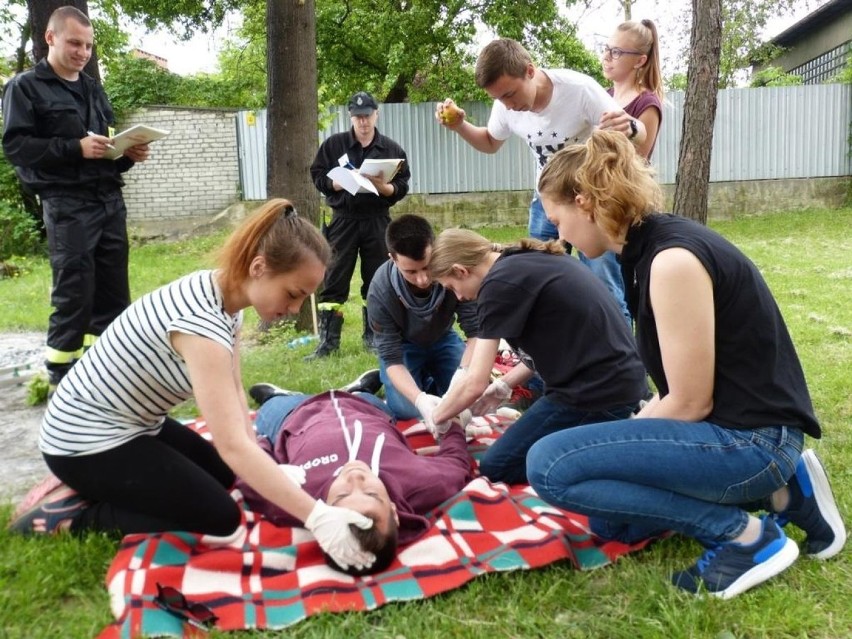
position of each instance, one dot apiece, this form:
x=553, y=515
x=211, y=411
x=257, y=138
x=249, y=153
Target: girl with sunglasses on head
x=724, y=435
x=107, y=434
x=631, y=60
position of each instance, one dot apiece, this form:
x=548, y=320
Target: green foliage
x=14, y=35
x=742, y=23
x=37, y=389
x=426, y=52
x=775, y=77
x=19, y=230
x=111, y=41
x=184, y=16
x=676, y=82
x=845, y=76
x=133, y=82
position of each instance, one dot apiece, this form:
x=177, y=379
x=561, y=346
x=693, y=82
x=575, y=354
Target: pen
x=109, y=146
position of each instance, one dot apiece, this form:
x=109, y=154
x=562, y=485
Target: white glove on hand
x=464, y=418
x=497, y=392
x=295, y=474
x=330, y=527
x=426, y=404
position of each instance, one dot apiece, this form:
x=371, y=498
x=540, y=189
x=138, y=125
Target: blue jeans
x=506, y=459
x=539, y=226
x=432, y=368
x=606, y=267
x=272, y=413
x=695, y=478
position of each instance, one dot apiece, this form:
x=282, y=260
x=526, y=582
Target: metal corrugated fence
x=760, y=134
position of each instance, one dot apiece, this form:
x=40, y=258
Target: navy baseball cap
x=362, y=103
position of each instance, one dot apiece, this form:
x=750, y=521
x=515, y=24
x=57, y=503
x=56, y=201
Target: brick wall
x=193, y=174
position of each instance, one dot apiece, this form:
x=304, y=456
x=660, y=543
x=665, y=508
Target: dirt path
x=21, y=465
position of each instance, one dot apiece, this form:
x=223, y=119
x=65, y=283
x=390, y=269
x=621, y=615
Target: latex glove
x=426, y=404
x=497, y=392
x=463, y=418
x=295, y=474
x=330, y=527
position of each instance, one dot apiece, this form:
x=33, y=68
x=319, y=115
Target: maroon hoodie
x=318, y=436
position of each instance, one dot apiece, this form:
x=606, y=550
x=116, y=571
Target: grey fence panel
x=759, y=134
x=251, y=137
x=770, y=133
x=440, y=161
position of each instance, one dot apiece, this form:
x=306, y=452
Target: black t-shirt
x=564, y=319
x=758, y=379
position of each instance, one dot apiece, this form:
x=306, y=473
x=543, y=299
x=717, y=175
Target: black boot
x=263, y=391
x=368, y=338
x=331, y=325
x=369, y=382
x=55, y=374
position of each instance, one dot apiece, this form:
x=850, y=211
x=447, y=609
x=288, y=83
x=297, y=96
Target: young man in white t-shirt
x=548, y=109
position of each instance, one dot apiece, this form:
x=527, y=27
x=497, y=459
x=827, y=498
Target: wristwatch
x=634, y=129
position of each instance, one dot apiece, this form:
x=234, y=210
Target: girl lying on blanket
x=346, y=450
x=106, y=432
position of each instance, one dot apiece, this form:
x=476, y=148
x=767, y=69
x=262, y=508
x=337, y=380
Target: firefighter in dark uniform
x=359, y=221
x=57, y=128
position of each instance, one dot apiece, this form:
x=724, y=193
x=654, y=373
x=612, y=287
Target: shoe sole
x=777, y=564
x=826, y=504
x=36, y=494
x=36, y=524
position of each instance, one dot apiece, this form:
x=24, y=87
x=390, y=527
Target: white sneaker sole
x=779, y=562
x=826, y=504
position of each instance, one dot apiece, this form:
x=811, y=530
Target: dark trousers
x=174, y=481
x=87, y=239
x=350, y=236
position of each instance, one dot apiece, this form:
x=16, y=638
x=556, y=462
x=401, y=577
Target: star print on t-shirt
x=543, y=150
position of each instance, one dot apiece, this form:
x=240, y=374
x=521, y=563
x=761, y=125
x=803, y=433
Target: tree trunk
x=39, y=14
x=21, y=61
x=293, y=125
x=696, y=144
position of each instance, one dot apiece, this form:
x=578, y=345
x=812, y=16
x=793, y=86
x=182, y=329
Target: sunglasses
x=195, y=614
x=616, y=52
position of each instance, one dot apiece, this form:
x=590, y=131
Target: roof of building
x=825, y=14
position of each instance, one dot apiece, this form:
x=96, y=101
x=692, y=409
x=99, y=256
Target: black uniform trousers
x=350, y=235
x=87, y=239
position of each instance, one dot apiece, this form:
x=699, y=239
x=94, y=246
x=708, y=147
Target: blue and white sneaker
x=52, y=514
x=731, y=568
x=813, y=509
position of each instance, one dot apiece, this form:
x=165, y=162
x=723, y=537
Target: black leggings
x=174, y=481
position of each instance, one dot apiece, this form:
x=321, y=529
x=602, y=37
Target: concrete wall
x=510, y=208
x=726, y=200
x=191, y=176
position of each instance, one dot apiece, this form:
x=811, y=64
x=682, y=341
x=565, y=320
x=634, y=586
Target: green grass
x=54, y=587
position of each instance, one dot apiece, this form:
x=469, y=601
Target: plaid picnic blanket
x=272, y=577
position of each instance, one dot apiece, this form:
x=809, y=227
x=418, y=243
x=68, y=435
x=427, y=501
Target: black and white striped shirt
x=124, y=385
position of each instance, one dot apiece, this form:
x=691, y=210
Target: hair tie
x=290, y=211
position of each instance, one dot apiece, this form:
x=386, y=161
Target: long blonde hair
x=643, y=35
x=277, y=233
x=606, y=169
x=469, y=249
